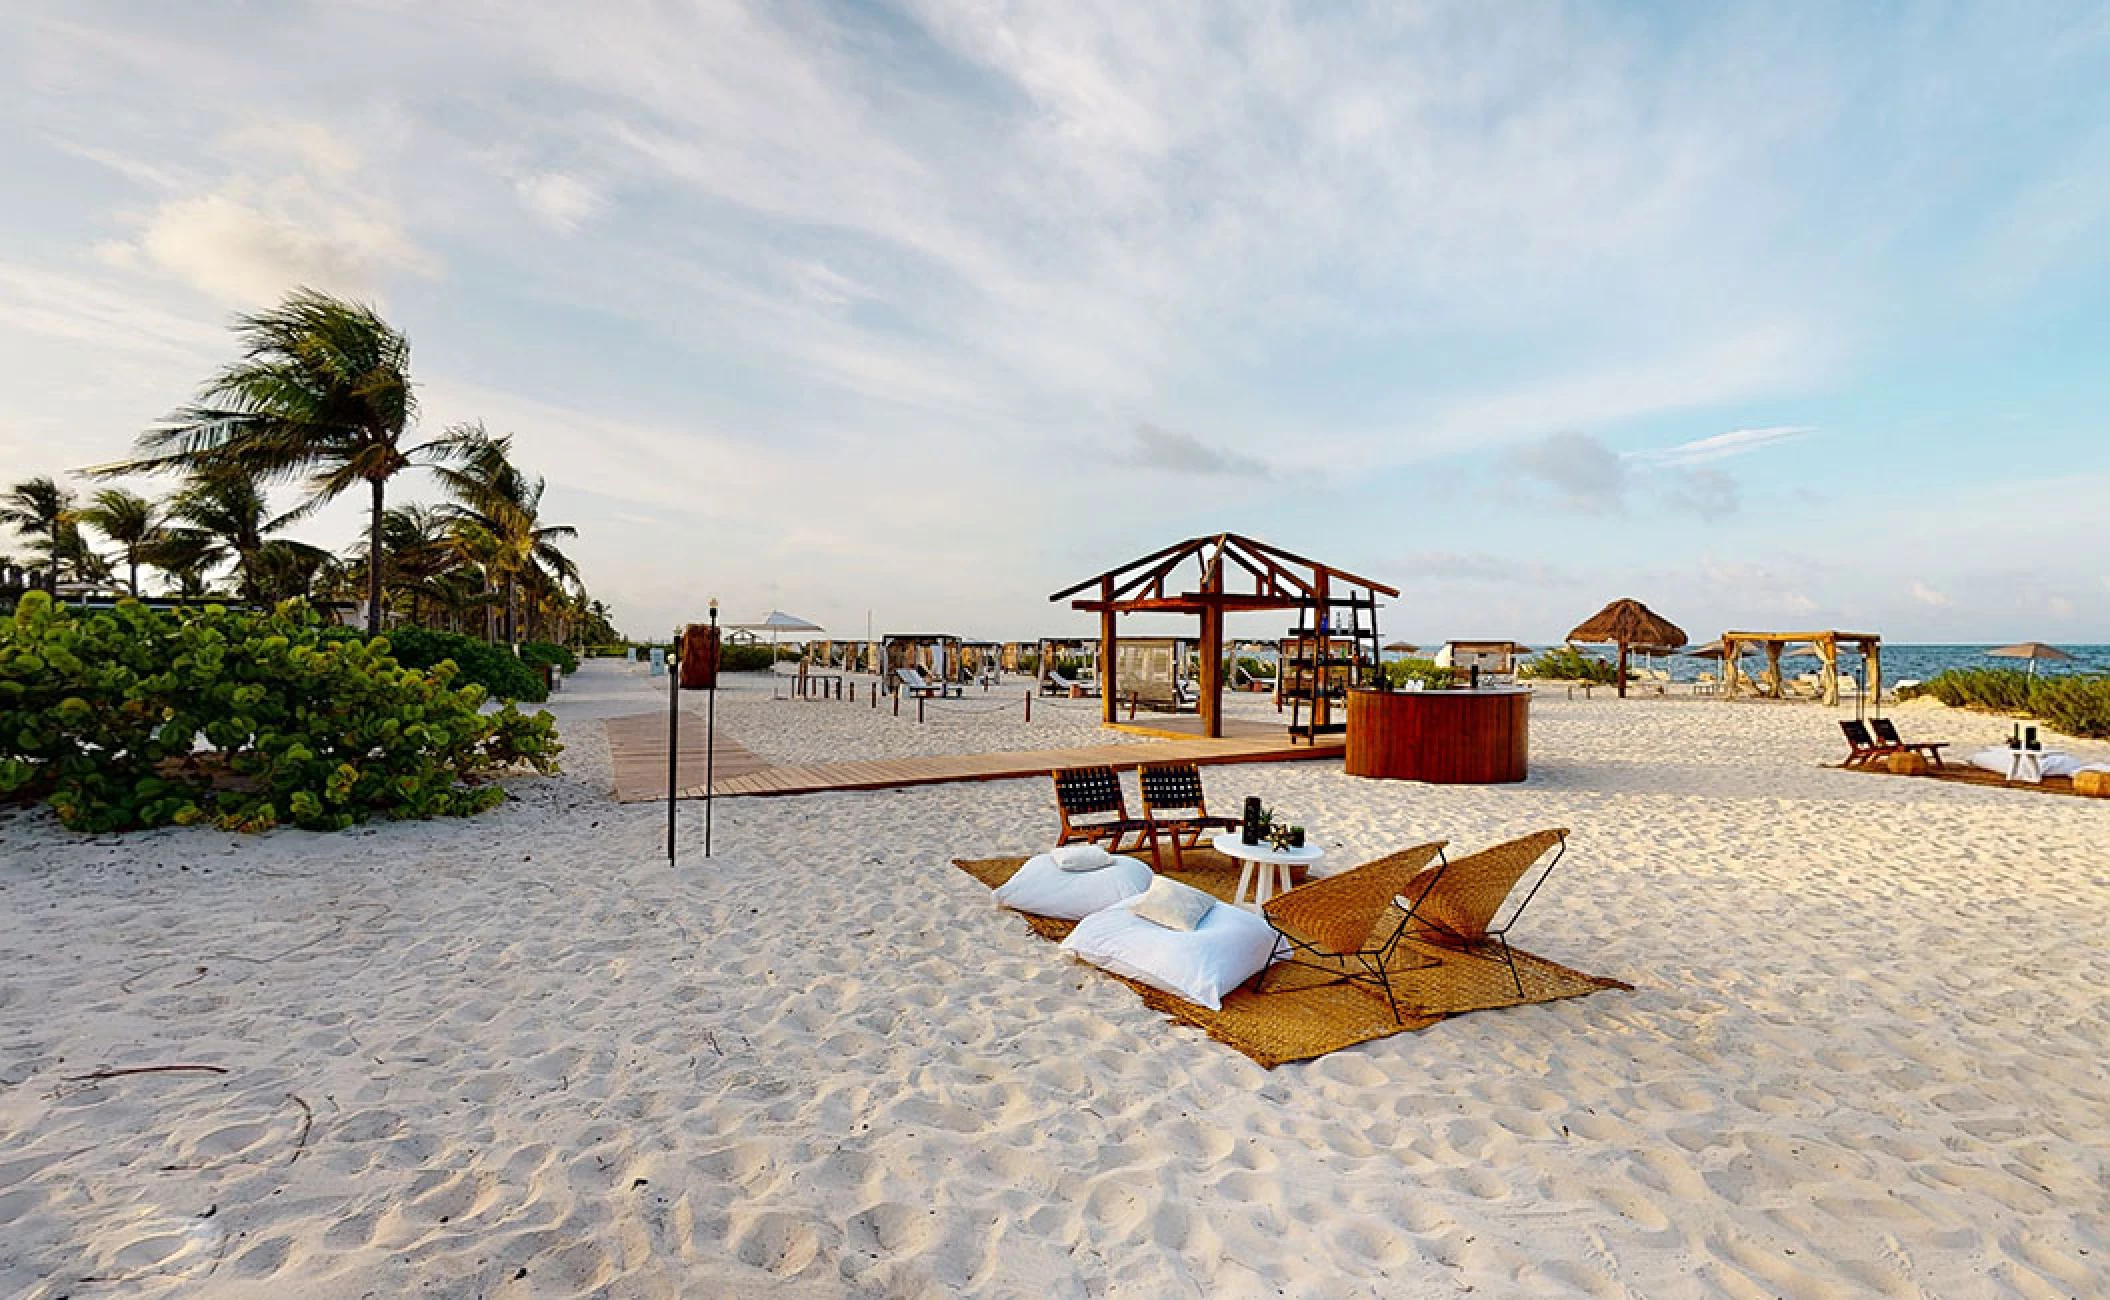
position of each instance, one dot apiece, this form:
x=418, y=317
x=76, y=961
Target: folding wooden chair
x=1351, y=924
x=1174, y=806
x=1887, y=734
x=1091, y=809
x=1866, y=748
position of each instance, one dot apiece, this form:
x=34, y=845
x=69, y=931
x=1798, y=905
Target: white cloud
x=1721, y=446
x=1927, y=595
x=565, y=202
x=297, y=210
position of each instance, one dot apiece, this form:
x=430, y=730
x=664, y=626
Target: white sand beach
x=520, y=1055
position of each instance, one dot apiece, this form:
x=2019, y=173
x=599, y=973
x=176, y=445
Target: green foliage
x=549, y=652
x=2077, y=704
x=1431, y=675
x=130, y=718
x=750, y=658
x=1567, y=664
x=493, y=667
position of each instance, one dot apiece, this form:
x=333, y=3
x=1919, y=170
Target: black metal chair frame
x=1500, y=934
x=1095, y=792
x=1177, y=788
x=1373, y=961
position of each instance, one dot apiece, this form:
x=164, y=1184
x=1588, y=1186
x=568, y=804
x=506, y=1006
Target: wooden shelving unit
x=1320, y=660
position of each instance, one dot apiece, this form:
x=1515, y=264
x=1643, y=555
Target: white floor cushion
x=1229, y=947
x=1043, y=888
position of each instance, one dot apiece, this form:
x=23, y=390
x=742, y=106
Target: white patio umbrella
x=776, y=625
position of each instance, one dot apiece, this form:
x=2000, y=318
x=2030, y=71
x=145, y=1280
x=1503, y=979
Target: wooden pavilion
x=1233, y=574
x=1825, y=645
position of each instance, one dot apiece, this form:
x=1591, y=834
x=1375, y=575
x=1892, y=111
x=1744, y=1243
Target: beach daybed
x=1057, y=684
x=920, y=687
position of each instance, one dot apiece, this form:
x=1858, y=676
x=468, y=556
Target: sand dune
x=520, y=1056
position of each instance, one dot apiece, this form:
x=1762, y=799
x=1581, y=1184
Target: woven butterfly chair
x=1174, y=807
x=1090, y=808
x=1462, y=910
x=1350, y=925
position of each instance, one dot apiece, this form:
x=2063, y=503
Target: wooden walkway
x=638, y=752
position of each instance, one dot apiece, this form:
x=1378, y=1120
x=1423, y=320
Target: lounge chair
x=1090, y=809
x=920, y=687
x=1865, y=748
x=1351, y=924
x=1887, y=734
x=1057, y=684
x=1174, y=806
x=1461, y=906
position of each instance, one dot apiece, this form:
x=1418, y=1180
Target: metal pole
x=673, y=737
x=710, y=733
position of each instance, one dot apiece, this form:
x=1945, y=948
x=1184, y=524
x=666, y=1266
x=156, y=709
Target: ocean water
x=1901, y=662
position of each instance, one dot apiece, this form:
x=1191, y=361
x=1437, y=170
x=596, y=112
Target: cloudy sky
x=1769, y=315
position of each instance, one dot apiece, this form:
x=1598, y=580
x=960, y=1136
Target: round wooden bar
x=1446, y=737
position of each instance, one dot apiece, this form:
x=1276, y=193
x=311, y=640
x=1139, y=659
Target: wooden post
x=1029, y=704
x=919, y=709
x=1109, y=701
x=1872, y=651
x=1773, y=683
x=1828, y=650
x=1212, y=683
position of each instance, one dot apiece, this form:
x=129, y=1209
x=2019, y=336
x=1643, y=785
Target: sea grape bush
x=1567, y=664
x=479, y=663
x=2077, y=704
x=131, y=718
x=549, y=652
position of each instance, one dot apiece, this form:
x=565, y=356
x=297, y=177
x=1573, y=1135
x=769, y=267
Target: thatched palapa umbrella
x=1626, y=624
x=2032, y=651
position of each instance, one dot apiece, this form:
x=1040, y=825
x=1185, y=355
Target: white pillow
x=1229, y=947
x=1172, y=904
x=1043, y=888
x=1081, y=857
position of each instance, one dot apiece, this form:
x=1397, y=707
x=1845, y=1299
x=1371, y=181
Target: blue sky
x=1769, y=315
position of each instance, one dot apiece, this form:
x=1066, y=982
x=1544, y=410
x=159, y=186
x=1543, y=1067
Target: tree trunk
x=511, y=586
x=132, y=558
x=373, y=564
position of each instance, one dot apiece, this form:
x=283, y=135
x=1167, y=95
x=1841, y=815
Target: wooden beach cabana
x=1230, y=574
x=1825, y=645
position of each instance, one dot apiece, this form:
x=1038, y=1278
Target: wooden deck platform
x=638, y=752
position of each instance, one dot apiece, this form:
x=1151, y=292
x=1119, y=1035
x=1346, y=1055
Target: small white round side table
x=1269, y=860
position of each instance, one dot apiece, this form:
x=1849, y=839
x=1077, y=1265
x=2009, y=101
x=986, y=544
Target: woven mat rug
x=1295, y=1013
x=1956, y=772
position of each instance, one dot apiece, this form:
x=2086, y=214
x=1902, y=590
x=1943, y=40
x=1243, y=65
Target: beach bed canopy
x=1231, y=574
x=1630, y=625
x=1824, y=645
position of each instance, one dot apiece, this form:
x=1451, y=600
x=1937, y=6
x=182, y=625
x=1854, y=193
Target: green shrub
x=1431, y=675
x=129, y=718
x=493, y=667
x=1567, y=664
x=2077, y=704
x=748, y=658
x=549, y=652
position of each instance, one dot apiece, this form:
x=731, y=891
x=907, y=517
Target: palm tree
x=129, y=520
x=322, y=391
x=498, y=513
x=40, y=509
x=220, y=517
